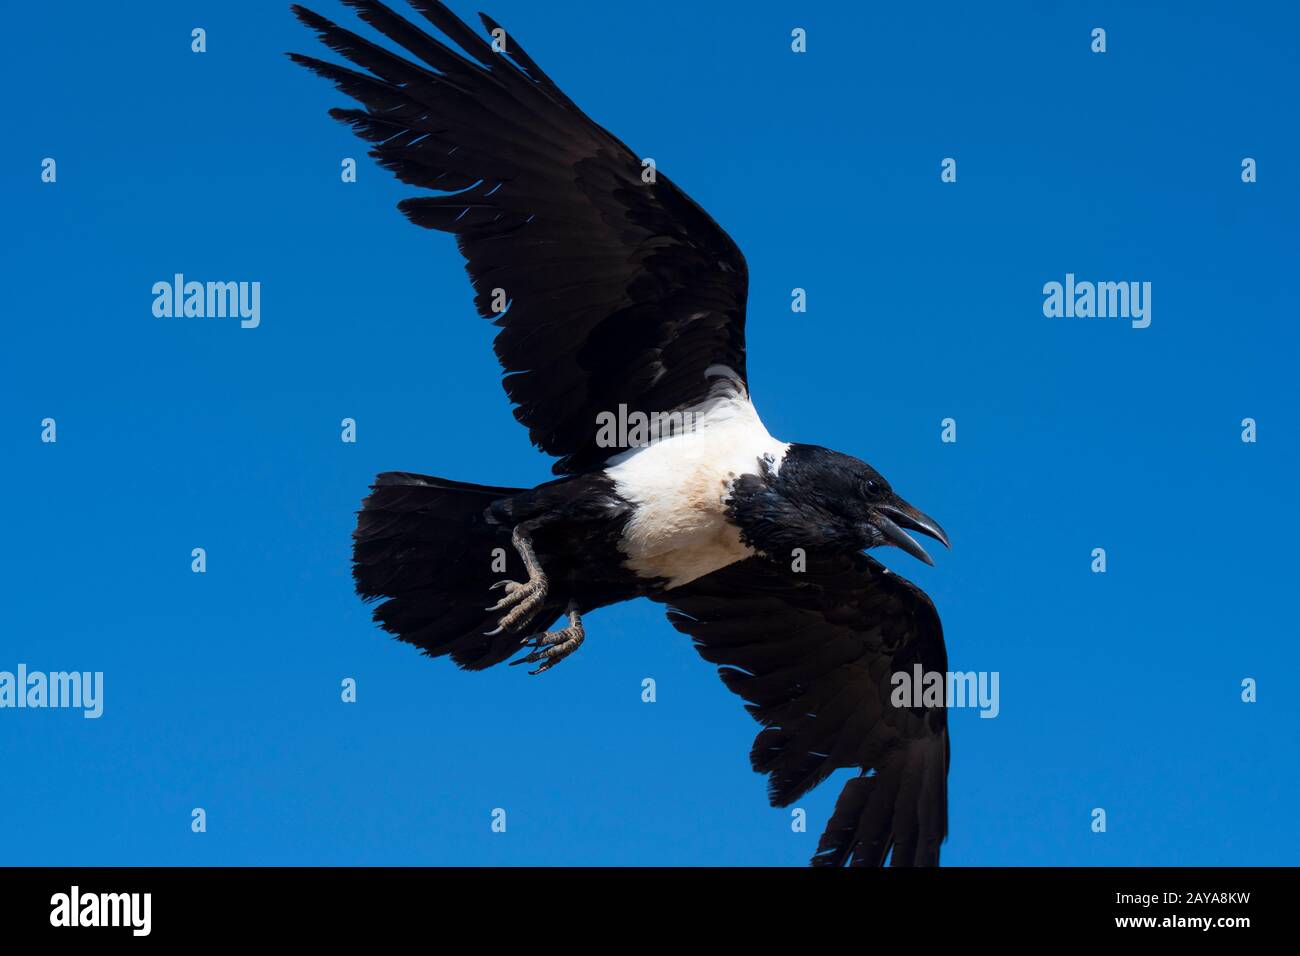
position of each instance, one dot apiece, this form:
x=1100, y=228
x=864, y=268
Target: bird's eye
x=871, y=487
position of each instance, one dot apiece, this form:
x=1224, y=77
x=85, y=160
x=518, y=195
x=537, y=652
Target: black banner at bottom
x=305, y=904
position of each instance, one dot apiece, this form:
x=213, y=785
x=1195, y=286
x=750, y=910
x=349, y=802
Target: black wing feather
x=620, y=292
x=813, y=654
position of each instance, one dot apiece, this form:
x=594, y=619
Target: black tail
x=428, y=545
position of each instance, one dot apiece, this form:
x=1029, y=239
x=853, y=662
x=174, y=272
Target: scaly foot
x=551, y=647
x=523, y=599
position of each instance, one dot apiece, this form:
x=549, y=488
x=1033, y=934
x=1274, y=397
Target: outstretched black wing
x=813, y=654
x=619, y=291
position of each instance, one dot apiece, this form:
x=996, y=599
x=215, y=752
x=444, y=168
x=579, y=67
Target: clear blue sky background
x=1118, y=691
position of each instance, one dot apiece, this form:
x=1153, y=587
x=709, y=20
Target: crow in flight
x=625, y=298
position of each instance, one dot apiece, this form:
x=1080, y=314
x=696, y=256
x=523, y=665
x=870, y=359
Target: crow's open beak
x=892, y=518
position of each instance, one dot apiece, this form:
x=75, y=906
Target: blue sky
x=1118, y=690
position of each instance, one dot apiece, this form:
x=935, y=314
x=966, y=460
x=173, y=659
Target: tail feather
x=427, y=546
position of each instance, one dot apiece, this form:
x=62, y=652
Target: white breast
x=680, y=486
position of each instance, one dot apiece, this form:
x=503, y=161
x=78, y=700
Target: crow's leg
x=551, y=647
x=522, y=600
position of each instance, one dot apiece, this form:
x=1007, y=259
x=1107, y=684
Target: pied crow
x=625, y=299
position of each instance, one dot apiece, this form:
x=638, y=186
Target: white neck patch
x=679, y=487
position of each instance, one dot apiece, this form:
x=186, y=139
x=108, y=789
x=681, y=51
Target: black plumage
x=623, y=293
x=619, y=291
x=812, y=654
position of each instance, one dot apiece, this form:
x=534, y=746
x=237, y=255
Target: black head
x=818, y=499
